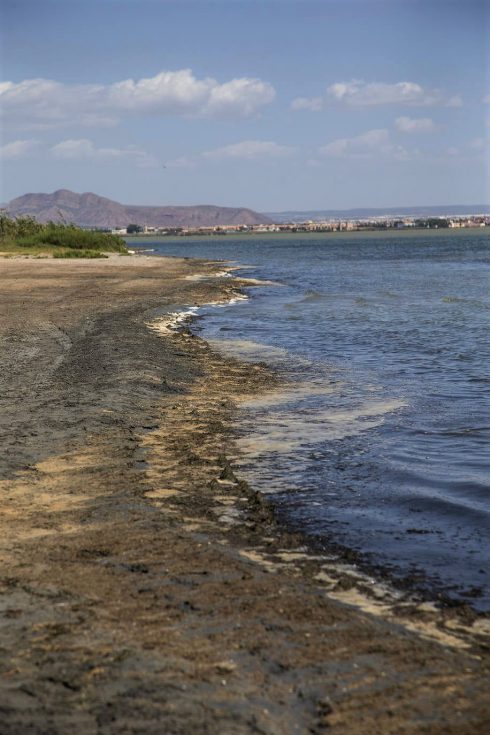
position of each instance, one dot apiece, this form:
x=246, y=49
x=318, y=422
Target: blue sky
x=272, y=104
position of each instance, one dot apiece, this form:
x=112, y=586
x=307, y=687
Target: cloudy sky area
x=270, y=104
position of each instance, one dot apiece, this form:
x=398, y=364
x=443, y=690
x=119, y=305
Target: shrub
x=82, y=253
x=25, y=232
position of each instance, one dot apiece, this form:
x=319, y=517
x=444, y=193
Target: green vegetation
x=24, y=235
x=85, y=253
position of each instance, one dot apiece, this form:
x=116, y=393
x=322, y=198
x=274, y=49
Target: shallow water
x=380, y=441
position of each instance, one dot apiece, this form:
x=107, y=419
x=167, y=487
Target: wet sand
x=144, y=588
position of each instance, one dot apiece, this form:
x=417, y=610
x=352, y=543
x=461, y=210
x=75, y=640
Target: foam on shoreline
x=207, y=276
x=173, y=321
x=229, y=274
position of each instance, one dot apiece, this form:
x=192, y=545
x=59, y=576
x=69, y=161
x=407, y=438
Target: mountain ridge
x=91, y=210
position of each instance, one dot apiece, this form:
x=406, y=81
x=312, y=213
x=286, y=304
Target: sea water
x=380, y=440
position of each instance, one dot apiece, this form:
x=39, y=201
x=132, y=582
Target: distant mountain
x=450, y=210
x=90, y=210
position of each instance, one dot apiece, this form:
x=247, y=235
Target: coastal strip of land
x=144, y=588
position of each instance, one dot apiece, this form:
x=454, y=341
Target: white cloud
x=17, y=149
x=74, y=149
x=415, y=125
x=239, y=98
x=43, y=103
x=486, y=99
x=84, y=149
x=47, y=103
x=78, y=149
x=245, y=150
x=357, y=93
x=372, y=143
x=249, y=149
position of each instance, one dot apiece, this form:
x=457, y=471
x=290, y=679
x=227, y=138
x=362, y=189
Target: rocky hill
x=90, y=210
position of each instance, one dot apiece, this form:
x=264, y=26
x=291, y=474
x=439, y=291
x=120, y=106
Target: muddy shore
x=144, y=587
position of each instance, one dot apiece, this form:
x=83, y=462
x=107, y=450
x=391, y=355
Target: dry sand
x=143, y=588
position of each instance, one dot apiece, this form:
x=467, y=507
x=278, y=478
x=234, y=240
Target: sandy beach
x=144, y=587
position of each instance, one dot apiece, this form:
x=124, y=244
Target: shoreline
x=354, y=568
x=145, y=584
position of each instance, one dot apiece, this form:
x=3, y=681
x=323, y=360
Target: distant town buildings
x=355, y=225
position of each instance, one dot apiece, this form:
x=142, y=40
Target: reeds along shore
x=23, y=235
x=148, y=589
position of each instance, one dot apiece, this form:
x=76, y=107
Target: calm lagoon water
x=381, y=440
